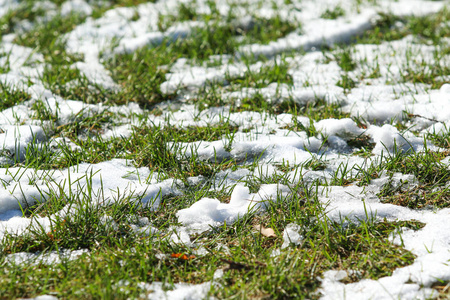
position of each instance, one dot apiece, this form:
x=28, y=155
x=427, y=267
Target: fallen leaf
x=182, y=256
x=268, y=232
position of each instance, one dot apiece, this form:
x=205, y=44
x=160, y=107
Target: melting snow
x=260, y=135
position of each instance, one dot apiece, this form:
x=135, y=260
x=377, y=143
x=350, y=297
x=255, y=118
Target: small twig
x=232, y=265
x=426, y=118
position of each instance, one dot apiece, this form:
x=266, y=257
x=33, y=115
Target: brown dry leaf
x=268, y=232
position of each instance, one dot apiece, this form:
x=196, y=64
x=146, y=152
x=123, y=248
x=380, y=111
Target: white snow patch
x=180, y=291
x=80, y=7
x=291, y=235
x=46, y=258
x=211, y=212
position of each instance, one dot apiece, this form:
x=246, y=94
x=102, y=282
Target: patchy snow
x=96, y=73
x=108, y=182
x=42, y=297
x=291, y=235
x=430, y=244
x=182, y=291
x=209, y=212
x=15, y=139
x=80, y=7
x=8, y=5
x=50, y=258
x=377, y=101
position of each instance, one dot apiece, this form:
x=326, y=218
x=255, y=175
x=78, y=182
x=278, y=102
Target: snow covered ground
x=376, y=91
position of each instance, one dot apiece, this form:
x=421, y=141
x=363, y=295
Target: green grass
x=426, y=166
x=431, y=173
x=440, y=139
x=333, y=13
x=154, y=147
x=45, y=37
x=320, y=109
x=139, y=75
x=343, y=57
x=24, y=11
x=430, y=28
x=11, y=97
x=276, y=73
x=427, y=30
x=428, y=73
x=168, y=151
x=215, y=38
x=327, y=245
x=221, y=34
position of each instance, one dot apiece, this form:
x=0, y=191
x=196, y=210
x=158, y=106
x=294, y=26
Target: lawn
x=225, y=149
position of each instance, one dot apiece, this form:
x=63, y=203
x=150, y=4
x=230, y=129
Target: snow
x=209, y=212
x=262, y=138
x=76, y=7
x=7, y=5
x=388, y=139
x=109, y=182
x=182, y=291
x=95, y=72
x=15, y=139
x=342, y=127
x=429, y=244
x=291, y=235
x=42, y=297
x=50, y=258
